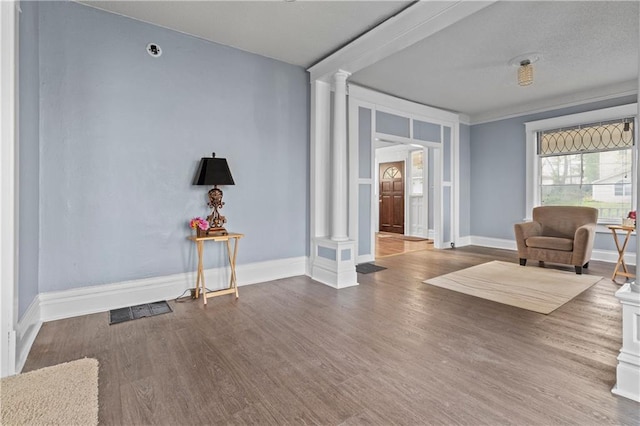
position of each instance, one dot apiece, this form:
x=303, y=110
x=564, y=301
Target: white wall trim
x=8, y=185
x=499, y=243
x=88, y=300
x=365, y=258
x=27, y=330
x=395, y=105
x=463, y=241
x=70, y=303
x=555, y=104
x=414, y=111
x=612, y=257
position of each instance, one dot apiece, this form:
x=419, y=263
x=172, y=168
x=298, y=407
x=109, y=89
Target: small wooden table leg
x=621, y=250
x=200, y=285
x=232, y=262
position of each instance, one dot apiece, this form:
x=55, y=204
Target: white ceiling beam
x=413, y=24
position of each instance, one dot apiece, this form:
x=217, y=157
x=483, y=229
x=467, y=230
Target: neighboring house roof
x=615, y=178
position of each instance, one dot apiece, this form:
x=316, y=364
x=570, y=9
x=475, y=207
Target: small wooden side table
x=233, y=285
x=621, y=249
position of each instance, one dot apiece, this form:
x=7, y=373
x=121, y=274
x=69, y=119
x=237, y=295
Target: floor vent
x=117, y=316
x=367, y=268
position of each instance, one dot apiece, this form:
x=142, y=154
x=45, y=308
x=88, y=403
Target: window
x=392, y=173
x=588, y=163
x=417, y=172
x=622, y=189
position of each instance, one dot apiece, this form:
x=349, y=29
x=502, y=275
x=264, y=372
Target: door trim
x=403, y=176
x=375, y=101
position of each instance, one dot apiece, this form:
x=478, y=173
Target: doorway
x=391, y=197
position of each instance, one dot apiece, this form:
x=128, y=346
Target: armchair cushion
x=551, y=243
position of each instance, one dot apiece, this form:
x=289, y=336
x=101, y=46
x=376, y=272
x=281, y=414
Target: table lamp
x=214, y=171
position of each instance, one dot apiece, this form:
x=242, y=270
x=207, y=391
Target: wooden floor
x=390, y=351
x=388, y=244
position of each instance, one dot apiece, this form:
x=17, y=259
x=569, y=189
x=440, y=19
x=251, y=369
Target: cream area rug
x=64, y=394
x=528, y=287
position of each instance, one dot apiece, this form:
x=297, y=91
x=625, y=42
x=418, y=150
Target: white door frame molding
x=8, y=179
x=376, y=101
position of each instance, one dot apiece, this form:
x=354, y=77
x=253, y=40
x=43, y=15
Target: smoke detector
x=154, y=50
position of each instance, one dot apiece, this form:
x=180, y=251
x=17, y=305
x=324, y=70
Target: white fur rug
x=63, y=394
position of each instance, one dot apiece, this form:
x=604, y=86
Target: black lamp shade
x=213, y=171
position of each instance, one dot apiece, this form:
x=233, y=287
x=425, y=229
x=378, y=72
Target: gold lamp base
x=216, y=231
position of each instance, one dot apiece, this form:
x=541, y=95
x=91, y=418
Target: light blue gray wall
x=465, y=181
x=392, y=124
x=446, y=154
x=364, y=220
x=121, y=134
x=424, y=131
x=498, y=172
x=365, y=161
x=29, y=157
x=431, y=188
x=365, y=146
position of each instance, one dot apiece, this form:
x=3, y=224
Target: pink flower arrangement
x=198, y=222
x=632, y=215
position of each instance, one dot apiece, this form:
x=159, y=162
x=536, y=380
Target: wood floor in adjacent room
x=390, y=351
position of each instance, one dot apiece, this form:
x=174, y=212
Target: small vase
x=201, y=232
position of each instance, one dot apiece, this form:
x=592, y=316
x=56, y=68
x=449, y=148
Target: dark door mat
x=117, y=316
x=367, y=268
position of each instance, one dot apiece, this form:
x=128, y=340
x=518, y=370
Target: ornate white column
x=339, y=219
x=333, y=254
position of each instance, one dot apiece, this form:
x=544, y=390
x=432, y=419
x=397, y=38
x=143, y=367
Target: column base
x=628, y=377
x=628, y=370
x=334, y=263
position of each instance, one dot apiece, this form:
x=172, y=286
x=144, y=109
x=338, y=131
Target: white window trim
x=532, y=127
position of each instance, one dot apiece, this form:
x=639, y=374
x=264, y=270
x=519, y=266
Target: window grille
x=595, y=137
x=590, y=165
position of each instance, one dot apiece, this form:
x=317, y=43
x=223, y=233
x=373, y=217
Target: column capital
x=341, y=75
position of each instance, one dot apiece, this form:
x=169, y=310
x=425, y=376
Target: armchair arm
x=583, y=243
x=524, y=231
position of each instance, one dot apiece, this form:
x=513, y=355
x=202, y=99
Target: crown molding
x=413, y=24
x=620, y=90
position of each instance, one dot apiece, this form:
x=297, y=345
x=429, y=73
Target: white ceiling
x=589, y=49
x=298, y=32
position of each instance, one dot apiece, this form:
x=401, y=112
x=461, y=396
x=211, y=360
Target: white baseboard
x=101, y=298
x=366, y=258
x=601, y=255
x=612, y=256
x=463, y=241
x=88, y=300
x=27, y=330
x=492, y=242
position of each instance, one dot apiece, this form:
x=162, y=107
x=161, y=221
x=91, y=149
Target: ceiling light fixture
x=525, y=73
x=525, y=67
